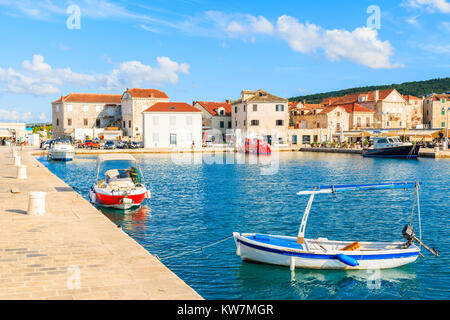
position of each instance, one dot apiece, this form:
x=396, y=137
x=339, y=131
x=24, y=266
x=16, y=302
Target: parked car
x=109, y=145
x=121, y=144
x=134, y=145
x=92, y=144
x=45, y=144
x=79, y=144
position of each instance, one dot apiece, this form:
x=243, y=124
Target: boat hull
x=408, y=152
x=61, y=155
x=263, y=253
x=118, y=199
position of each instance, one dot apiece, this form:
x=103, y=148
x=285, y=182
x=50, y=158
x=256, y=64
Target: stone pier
x=73, y=251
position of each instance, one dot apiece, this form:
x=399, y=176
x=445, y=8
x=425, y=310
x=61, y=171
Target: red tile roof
x=147, y=93
x=91, y=97
x=212, y=107
x=354, y=97
x=410, y=97
x=171, y=107
x=354, y=107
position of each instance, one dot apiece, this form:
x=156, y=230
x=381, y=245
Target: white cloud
x=38, y=78
x=430, y=5
x=14, y=115
x=361, y=45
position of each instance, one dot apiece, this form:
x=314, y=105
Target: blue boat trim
x=330, y=256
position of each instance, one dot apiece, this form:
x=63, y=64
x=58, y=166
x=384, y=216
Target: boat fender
x=347, y=260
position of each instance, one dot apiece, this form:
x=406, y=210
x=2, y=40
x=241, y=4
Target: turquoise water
x=198, y=203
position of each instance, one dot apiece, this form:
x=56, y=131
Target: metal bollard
x=22, y=172
x=36, y=203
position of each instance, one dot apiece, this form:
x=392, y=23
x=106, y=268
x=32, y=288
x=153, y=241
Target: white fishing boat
x=61, y=150
x=321, y=253
x=122, y=187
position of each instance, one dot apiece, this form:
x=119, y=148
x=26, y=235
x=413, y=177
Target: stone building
x=134, y=102
x=435, y=109
x=390, y=107
x=215, y=115
x=260, y=114
x=414, y=108
x=85, y=111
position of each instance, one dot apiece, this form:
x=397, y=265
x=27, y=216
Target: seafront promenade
x=72, y=251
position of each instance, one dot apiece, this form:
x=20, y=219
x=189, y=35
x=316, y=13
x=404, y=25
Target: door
x=173, y=139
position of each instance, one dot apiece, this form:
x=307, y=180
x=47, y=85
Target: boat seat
x=111, y=174
x=351, y=247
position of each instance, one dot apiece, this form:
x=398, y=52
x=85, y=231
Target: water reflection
x=261, y=279
x=131, y=219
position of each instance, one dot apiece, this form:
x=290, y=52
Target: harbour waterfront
x=196, y=204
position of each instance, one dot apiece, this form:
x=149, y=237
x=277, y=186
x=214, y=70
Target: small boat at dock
x=61, y=151
x=391, y=147
x=322, y=253
x=121, y=188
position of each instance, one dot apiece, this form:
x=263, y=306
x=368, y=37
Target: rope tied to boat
x=194, y=250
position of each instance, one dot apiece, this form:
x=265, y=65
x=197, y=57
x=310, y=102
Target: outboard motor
x=409, y=235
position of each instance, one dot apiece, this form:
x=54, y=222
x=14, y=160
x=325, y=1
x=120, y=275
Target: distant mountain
x=415, y=88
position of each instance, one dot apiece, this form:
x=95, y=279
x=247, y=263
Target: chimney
x=377, y=95
x=228, y=101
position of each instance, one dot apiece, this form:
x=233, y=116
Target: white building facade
x=172, y=125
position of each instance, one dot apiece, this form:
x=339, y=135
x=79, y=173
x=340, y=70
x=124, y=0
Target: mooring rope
x=197, y=249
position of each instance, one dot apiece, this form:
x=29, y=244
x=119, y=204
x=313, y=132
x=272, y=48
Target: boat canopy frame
x=116, y=157
x=356, y=187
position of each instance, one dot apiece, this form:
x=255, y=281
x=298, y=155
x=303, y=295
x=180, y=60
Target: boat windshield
x=122, y=166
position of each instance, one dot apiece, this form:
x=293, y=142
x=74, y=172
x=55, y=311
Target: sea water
x=196, y=203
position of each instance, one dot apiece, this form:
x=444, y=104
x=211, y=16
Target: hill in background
x=415, y=88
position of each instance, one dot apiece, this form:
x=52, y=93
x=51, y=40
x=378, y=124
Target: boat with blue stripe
x=322, y=253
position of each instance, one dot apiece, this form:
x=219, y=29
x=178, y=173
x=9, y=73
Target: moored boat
x=321, y=253
x=61, y=150
x=391, y=147
x=122, y=188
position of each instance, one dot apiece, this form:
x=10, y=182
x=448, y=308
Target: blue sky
x=211, y=50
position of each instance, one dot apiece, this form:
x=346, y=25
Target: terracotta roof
x=91, y=97
x=354, y=97
x=147, y=93
x=410, y=97
x=354, y=107
x=171, y=107
x=212, y=107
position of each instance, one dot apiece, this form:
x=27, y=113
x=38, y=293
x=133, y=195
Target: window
x=85, y=108
x=368, y=122
x=69, y=107
x=222, y=124
x=155, y=137
x=443, y=100
x=229, y=124
x=255, y=122
x=173, y=120
x=245, y=123
x=338, y=127
x=279, y=122
x=443, y=111
x=235, y=123
x=173, y=139
x=57, y=108
x=189, y=120
x=318, y=125
x=294, y=139
x=338, y=114
x=235, y=109
x=244, y=107
x=97, y=108
x=69, y=122
x=155, y=120
x=97, y=123
x=443, y=124
x=85, y=122
x=129, y=123
x=388, y=124
x=124, y=124
x=57, y=122
x=255, y=107
x=222, y=112
x=279, y=107
x=306, y=139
